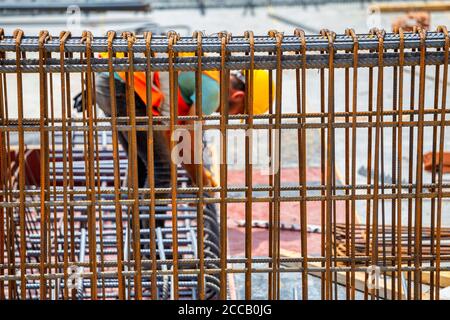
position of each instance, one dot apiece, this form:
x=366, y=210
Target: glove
x=208, y=179
x=78, y=102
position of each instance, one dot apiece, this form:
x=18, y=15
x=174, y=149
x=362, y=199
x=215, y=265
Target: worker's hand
x=208, y=179
x=78, y=102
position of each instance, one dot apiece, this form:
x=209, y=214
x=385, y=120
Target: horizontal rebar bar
x=112, y=274
x=235, y=44
x=292, y=61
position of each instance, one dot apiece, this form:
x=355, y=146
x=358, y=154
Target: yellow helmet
x=261, y=89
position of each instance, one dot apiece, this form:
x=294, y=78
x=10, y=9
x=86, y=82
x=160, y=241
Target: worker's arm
x=191, y=168
x=210, y=101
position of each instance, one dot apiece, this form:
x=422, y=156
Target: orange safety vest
x=157, y=95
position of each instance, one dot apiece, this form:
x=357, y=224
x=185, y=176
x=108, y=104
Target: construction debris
x=412, y=20
x=283, y=226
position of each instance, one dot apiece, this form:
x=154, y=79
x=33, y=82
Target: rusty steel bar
x=173, y=174
x=399, y=169
x=3, y=181
x=249, y=168
x=224, y=38
x=77, y=221
x=353, y=157
x=151, y=166
x=235, y=44
x=199, y=178
x=117, y=195
x=301, y=109
x=441, y=152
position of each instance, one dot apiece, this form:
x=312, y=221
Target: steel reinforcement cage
x=74, y=222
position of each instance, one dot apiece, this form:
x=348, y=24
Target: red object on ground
x=428, y=162
x=290, y=214
x=412, y=19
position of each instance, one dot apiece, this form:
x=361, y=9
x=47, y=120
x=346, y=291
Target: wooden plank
x=444, y=278
x=434, y=6
x=341, y=278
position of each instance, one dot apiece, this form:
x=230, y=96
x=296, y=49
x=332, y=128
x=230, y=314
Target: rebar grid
x=75, y=223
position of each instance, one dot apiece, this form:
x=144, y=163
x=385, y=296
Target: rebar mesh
x=76, y=222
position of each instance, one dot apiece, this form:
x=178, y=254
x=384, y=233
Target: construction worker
x=186, y=106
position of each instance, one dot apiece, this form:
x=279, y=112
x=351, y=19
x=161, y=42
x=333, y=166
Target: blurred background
x=210, y=16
